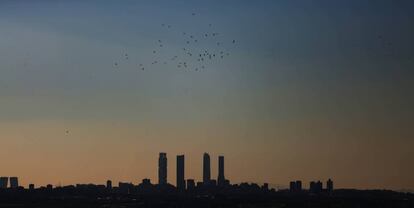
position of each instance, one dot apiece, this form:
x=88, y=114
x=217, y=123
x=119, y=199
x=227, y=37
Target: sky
x=310, y=90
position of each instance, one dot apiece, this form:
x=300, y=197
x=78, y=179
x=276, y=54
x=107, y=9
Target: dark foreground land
x=85, y=198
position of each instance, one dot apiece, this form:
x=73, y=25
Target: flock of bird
x=197, y=51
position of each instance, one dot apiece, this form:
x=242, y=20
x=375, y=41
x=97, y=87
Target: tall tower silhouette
x=206, y=169
x=14, y=182
x=180, y=172
x=162, y=169
x=4, y=181
x=329, y=186
x=221, y=180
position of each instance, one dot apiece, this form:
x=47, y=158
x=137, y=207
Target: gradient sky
x=311, y=90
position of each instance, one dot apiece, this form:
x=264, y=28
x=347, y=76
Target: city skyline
x=286, y=90
x=182, y=183
x=12, y=182
x=171, y=177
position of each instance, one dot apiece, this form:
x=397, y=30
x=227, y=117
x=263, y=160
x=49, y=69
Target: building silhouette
x=146, y=181
x=298, y=185
x=292, y=186
x=31, y=187
x=190, y=184
x=221, y=180
x=319, y=186
x=329, y=186
x=49, y=187
x=206, y=169
x=125, y=188
x=315, y=187
x=199, y=184
x=265, y=187
x=4, y=182
x=312, y=186
x=180, y=172
x=109, y=184
x=14, y=182
x=162, y=169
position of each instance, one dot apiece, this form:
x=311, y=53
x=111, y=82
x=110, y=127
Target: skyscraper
x=221, y=179
x=329, y=185
x=292, y=186
x=180, y=172
x=4, y=181
x=206, y=169
x=14, y=182
x=298, y=185
x=162, y=169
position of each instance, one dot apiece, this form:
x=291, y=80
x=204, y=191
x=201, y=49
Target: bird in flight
x=206, y=46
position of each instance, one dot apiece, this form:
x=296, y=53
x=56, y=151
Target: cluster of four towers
x=181, y=182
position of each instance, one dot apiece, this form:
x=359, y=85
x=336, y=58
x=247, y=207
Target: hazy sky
x=310, y=90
